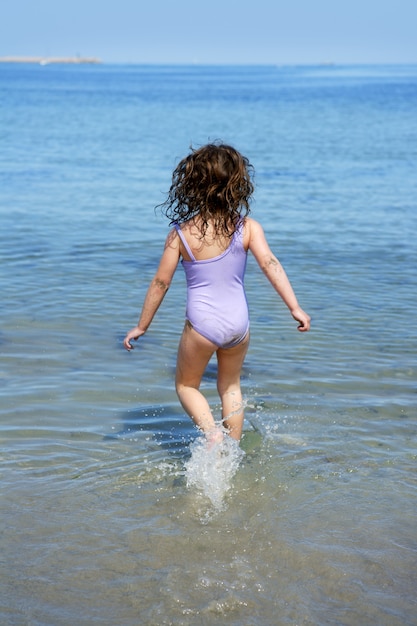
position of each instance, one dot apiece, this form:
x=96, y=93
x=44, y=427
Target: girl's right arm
x=157, y=289
x=275, y=273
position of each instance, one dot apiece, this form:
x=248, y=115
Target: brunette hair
x=214, y=183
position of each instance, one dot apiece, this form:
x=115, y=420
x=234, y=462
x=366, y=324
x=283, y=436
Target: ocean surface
x=112, y=510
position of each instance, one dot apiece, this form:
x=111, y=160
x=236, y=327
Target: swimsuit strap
x=184, y=241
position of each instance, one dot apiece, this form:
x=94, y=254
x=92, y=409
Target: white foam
x=211, y=468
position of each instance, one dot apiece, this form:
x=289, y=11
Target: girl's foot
x=214, y=437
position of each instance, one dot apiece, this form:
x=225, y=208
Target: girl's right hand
x=134, y=335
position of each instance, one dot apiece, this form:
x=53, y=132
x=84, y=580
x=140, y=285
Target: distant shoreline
x=50, y=60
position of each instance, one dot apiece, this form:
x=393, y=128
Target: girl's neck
x=216, y=226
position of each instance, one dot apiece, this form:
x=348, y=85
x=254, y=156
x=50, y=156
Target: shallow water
x=102, y=519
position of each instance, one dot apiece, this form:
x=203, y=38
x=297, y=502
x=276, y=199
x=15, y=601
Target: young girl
x=208, y=205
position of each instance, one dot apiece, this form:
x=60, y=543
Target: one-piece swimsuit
x=216, y=301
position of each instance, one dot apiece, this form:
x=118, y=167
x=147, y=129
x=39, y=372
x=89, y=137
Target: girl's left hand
x=304, y=320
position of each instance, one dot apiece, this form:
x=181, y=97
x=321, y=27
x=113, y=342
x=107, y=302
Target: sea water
x=114, y=511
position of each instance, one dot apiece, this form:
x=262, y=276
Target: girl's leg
x=194, y=353
x=230, y=361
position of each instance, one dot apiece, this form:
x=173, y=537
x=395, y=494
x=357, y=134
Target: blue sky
x=215, y=31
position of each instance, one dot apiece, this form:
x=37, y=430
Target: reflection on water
x=164, y=425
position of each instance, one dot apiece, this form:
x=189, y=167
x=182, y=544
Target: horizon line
x=86, y=60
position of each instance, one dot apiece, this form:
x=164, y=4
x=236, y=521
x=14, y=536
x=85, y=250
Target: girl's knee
x=180, y=388
x=228, y=389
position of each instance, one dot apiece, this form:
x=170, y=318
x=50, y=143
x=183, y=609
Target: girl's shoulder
x=251, y=224
x=251, y=228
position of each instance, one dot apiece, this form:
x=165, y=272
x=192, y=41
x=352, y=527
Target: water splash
x=211, y=468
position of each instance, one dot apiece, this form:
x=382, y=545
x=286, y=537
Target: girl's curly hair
x=214, y=183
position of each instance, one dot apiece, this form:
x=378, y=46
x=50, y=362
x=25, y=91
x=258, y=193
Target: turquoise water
x=102, y=522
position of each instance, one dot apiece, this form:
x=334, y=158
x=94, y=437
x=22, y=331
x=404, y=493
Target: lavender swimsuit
x=216, y=300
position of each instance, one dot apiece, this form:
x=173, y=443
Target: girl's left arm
x=157, y=289
x=275, y=273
